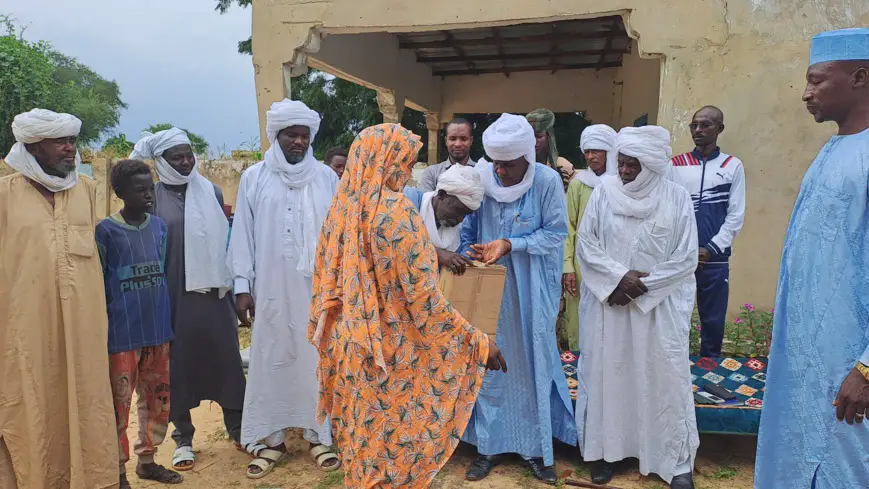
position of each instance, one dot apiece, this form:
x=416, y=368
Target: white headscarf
x=602, y=138
x=281, y=115
x=464, y=183
x=650, y=145
x=33, y=127
x=205, y=224
x=508, y=138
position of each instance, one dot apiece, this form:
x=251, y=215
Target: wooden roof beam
x=548, y=67
x=500, y=57
x=489, y=41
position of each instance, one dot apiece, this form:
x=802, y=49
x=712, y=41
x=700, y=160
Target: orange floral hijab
x=380, y=163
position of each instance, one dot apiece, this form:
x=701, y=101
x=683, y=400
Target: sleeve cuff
x=713, y=249
x=241, y=286
x=518, y=244
x=569, y=267
x=865, y=358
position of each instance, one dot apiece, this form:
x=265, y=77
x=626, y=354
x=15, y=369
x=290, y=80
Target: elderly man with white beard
x=637, y=251
x=282, y=202
x=459, y=193
x=57, y=421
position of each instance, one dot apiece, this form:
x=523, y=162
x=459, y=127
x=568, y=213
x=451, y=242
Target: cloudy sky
x=175, y=60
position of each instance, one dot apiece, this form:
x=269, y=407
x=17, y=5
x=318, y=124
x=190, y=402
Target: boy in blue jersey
x=132, y=246
x=716, y=181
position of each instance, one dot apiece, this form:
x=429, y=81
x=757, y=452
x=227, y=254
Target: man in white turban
x=205, y=361
x=459, y=192
x=522, y=225
x=57, y=421
x=280, y=208
x=598, y=145
x=637, y=251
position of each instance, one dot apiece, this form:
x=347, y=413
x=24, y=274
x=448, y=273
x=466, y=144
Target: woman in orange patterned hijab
x=399, y=368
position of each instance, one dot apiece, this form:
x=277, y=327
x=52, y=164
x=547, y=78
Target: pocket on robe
x=81, y=241
x=652, y=242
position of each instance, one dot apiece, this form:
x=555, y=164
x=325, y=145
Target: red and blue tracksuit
x=717, y=187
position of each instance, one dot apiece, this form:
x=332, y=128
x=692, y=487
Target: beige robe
x=57, y=420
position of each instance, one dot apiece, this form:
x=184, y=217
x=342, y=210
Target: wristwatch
x=863, y=369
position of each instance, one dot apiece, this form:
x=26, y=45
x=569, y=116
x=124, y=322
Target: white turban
x=38, y=124
x=508, y=138
x=287, y=113
x=33, y=127
x=205, y=224
x=599, y=137
x=651, y=146
x=463, y=182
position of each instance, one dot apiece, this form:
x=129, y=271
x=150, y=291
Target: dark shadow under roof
x=567, y=45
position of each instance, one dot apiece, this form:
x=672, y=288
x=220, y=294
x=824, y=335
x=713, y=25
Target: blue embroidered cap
x=840, y=45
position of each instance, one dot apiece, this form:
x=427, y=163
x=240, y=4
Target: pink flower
x=772, y=311
x=749, y=307
x=697, y=327
x=738, y=320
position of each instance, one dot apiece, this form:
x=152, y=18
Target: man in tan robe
x=57, y=423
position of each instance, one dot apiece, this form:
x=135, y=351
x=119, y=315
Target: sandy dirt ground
x=724, y=462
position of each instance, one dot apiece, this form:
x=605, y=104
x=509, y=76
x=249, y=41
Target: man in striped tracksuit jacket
x=716, y=182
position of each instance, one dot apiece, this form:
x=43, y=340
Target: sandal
x=322, y=455
x=183, y=454
x=158, y=473
x=265, y=459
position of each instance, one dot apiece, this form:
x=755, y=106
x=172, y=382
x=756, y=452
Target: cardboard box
x=476, y=294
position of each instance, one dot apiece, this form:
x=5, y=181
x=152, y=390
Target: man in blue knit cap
x=812, y=433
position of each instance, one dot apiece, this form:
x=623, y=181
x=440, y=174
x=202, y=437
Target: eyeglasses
x=703, y=125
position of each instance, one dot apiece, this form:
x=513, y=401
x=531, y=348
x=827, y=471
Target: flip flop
x=265, y=460
x=183, y=454
x=322, y=454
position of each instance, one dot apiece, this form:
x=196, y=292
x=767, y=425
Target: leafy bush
x=748, y=335
x=25, y=78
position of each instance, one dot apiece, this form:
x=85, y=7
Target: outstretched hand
x=454, y=262
x=489, y=253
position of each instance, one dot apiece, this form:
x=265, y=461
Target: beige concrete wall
x=564, y=91
x=636, y=89
x=224, y=174
x=348, y=56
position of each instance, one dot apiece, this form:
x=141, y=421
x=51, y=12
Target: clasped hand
x=629, y=288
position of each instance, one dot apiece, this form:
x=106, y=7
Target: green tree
x=118, y=146
x=246, y=46
x=25, y=78
x=200, y=145
x=80, y=91
x=35, y=75
x=346, y=108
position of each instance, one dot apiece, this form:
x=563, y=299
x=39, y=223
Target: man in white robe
x=280, y=208
x=637, y=251
x=459, y=192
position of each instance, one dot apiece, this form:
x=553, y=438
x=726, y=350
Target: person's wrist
x=863, y=369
